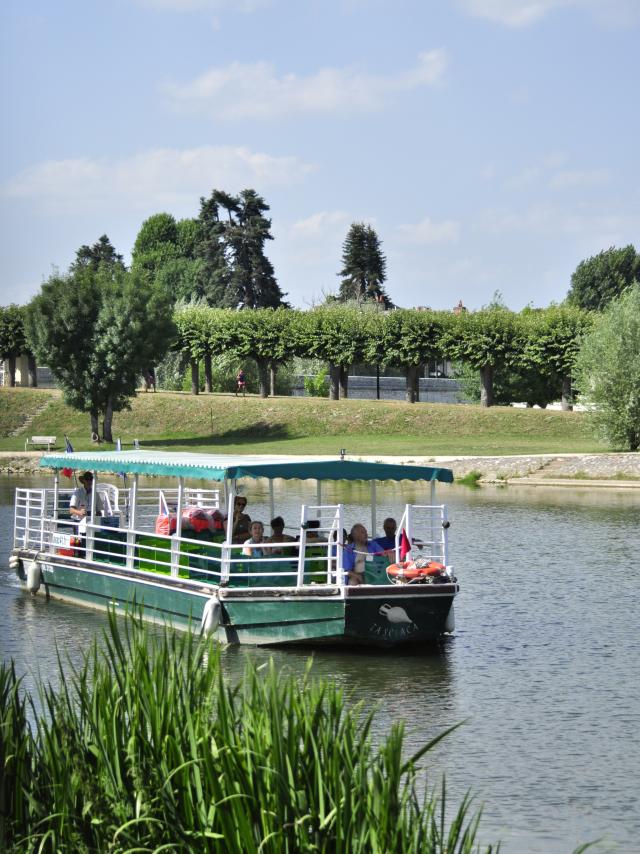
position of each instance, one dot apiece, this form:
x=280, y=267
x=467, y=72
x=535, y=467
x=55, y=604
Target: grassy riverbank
x=149, y=748
x=288, y=425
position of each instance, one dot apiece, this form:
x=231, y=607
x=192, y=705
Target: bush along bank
x=147, y=747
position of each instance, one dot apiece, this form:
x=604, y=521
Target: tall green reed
x=146, y=747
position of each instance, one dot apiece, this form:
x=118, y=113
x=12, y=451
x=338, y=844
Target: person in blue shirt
x=388, y=542
x=357, y=554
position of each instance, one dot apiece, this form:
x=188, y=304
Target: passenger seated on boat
x=241, y=521
x=357, y=553
x=255, y=545
x=278, y=536
x=388, y=541
x=312, y=531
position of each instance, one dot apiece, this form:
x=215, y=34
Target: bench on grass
x=49, y=441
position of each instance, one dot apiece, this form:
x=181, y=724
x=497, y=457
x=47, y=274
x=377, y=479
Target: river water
x=544, y=666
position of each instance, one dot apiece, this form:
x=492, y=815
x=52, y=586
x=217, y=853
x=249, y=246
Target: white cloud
x=569, y=179
x=254, y=90
x=319, y=224
x=585, y=224
x=430, y=233
x=159, y=177
x=523, y=13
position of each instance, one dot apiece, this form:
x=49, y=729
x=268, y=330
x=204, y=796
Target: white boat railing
x=432, y=519
x=152, y=502
x=43, y=525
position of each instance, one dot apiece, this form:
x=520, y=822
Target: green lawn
x=288, y=425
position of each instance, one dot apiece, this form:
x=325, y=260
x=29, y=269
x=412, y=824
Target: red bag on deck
x=195, y=519
x=166, y=524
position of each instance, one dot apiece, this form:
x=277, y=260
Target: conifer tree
x=364, y=268
x=234, y=233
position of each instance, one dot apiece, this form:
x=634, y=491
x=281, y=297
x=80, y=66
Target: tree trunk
x=263, y=378
x=272, y=380
x=95, y=427
x=33, y=371
x=208, y=379
x=12, y=371
x=107, y=435
x=334, y=381
x=416, y=384
x=195, y=377
x=344, y=381
x=486, y=385
x=411, y=373
x=567, y=394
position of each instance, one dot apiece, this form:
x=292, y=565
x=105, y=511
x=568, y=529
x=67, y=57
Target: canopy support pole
x=90, y=533
x=230, y=490
x=175, y=540
x=374, y=509
x=434, y=556
x=131, y=537
x=56, y=496
x=318, y=498
x=272, y=503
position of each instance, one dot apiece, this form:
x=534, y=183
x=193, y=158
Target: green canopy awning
x=221, y=467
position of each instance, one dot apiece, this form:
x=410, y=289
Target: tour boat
x=169, y=550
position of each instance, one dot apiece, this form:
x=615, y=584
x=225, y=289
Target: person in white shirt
x=80, y=504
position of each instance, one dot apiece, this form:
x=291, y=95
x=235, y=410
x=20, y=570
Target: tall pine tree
x=364, y=268
x=234, y=231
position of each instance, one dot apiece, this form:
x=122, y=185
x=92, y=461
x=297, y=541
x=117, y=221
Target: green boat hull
x=369, y=615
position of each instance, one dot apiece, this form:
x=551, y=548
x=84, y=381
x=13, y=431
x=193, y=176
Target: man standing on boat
x=80, y=505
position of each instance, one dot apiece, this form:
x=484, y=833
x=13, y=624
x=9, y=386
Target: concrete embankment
x=620, y=471
x=598, y=470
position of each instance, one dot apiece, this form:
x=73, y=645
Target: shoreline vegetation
x=502, y=444
x=294, y=425
x=146, y=746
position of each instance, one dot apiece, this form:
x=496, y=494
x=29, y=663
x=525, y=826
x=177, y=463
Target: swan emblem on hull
x=394, y=614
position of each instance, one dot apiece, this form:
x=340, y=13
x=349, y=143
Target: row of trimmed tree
x=544, y=341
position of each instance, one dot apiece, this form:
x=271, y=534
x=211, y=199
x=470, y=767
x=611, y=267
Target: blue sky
x=493, y=144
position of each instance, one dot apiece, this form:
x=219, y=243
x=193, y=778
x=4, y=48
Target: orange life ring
x=408, y=571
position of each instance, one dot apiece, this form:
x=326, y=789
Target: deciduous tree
x=12, y=338
x=603, y=277
x=608, y=370
x=98, y=328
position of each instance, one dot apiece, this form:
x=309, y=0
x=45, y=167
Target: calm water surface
x=544, y=666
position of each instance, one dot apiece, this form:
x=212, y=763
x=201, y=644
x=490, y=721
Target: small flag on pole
x=405, y=545
x=68, y=449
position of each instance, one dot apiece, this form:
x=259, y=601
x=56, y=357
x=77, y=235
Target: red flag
x=405, y=545
x=67, y=472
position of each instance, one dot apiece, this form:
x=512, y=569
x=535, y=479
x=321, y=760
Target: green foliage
x=491, y=336
x=98, y=329
x=147, y=747
x=603, y=277
x=608, y=370
x=317, y=385
x=331, y=333
x=264, y=335
x=364, y=266
x=12, y=336
x=102, y=253
x=510, y=385
x=235, y=269
x=471, y=478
